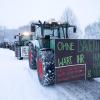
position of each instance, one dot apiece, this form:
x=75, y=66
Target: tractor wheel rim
x=40, y=68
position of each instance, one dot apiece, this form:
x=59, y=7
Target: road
x=18, y=82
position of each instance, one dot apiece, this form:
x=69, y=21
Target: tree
x=93, y=30
x=69, y=17
x=2, y=34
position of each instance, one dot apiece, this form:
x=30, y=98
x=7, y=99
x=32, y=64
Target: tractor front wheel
x=45, y=67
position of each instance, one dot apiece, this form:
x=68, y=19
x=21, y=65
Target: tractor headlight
x=26, y=33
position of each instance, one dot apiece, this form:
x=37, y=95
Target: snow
x=18, y=82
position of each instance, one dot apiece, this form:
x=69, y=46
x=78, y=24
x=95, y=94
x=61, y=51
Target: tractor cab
x=51, y=29
x=48, y=31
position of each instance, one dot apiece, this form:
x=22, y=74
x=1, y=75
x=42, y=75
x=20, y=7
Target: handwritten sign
x=75, y=52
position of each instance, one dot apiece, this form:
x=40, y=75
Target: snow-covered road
x=18, y=82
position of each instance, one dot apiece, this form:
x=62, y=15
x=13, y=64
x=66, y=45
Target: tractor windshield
x=51, y=32
x=55, y=32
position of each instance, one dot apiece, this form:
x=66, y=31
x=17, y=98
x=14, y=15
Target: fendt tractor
x=58, y=58
x=22, y=45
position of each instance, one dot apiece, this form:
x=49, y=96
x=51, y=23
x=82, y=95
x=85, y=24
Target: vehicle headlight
x=26, y=33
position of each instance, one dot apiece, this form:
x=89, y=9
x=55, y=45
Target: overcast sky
x=14, y=13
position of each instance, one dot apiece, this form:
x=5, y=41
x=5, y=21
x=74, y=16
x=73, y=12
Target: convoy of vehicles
x=8, y=45
x=56, y=57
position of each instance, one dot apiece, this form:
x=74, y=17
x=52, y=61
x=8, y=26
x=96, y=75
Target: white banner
x=24, y=51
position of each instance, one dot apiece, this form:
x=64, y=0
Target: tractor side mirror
x=74, y=29
x=33, y=28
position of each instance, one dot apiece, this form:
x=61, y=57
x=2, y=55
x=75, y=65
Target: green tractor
x=58, y=58
x=42, y=48
x=22, y=45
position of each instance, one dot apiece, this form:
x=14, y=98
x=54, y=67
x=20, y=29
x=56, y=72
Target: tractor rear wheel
x=32, y=57
x=45, y=67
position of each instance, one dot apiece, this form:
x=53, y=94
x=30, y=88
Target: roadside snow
x=18, y=82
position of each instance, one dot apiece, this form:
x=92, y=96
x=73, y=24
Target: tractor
x=42, y=48
x=22, y=45
x=58, y=58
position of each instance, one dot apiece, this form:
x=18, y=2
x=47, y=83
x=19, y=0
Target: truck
x=58, y=58
x=22, y=45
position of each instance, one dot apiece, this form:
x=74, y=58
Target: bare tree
x=69, y=17
x=93, y=30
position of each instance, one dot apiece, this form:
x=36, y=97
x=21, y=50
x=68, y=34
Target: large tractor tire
x=15, y=52
x=32, y=57
x=18, y=53
x=46, y=67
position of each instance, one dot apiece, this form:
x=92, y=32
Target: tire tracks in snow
x=81, y=90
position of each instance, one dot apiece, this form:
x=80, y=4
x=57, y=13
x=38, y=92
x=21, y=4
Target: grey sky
x=14, y=13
